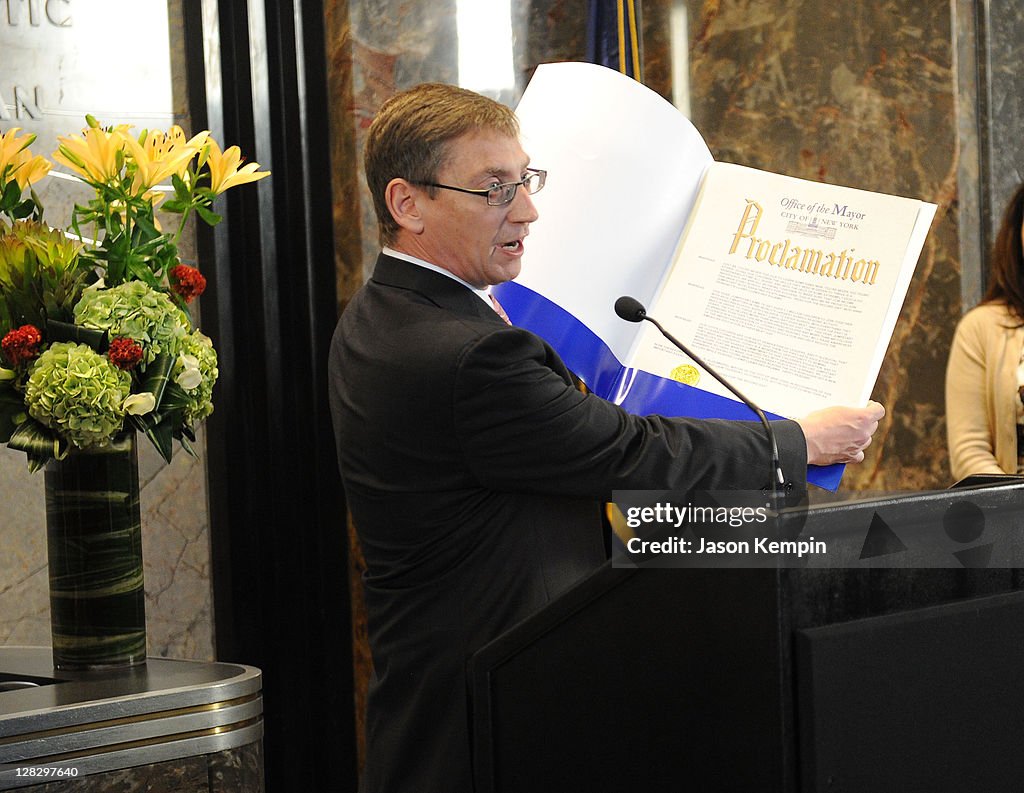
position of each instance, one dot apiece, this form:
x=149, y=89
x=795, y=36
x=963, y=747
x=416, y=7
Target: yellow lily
x=11, y=145
x=224, y=170
x=97, y=156
x=156, y=159
x=29, y=169
x=18, y=162
x=175, y=136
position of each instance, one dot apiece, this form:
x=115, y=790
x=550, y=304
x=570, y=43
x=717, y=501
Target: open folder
x=789, y=288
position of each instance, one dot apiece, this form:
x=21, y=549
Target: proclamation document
x=788, y=288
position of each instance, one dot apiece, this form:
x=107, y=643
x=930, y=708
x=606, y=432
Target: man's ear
x=403, y=200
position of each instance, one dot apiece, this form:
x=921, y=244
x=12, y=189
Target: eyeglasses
x=504, y=193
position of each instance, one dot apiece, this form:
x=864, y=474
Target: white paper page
x=913, y=253
x=623, y=170
x=749, y=295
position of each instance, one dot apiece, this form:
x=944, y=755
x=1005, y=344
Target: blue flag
x=613, y=36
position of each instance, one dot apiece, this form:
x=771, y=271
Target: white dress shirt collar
x=484, y=294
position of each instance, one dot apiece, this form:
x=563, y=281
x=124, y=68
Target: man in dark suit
x=473, y=468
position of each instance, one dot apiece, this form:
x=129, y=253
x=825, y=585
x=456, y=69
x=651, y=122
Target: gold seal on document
x=686, y=374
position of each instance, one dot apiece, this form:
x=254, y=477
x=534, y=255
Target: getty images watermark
x=730, y=529
x=666, y=514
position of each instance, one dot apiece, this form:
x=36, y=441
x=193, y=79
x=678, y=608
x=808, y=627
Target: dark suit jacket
x=474, y=472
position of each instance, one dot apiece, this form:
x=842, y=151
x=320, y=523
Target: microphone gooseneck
x=632, y=310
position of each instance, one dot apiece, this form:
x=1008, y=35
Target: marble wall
x=864, y=95
x=174, y=513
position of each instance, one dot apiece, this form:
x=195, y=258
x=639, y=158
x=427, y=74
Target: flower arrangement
x=96, y=335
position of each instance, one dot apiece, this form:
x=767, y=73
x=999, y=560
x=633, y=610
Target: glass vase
x=94, y=545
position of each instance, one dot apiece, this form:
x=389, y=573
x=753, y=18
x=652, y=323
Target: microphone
x=632, y=310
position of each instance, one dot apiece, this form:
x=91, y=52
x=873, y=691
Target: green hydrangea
x=78, y=393
x=136, y=311
x=195, y=371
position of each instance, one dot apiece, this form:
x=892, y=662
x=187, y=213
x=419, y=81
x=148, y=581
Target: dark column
x=991, y=121
x=257, y=78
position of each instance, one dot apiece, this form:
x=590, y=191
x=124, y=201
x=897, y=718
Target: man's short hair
x=409, y=137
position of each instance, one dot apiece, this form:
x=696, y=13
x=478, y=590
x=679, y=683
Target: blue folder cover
x=634, y=390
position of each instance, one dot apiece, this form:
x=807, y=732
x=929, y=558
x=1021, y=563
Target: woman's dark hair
x=1006, y=273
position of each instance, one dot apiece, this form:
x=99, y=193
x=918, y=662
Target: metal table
x=57, y=725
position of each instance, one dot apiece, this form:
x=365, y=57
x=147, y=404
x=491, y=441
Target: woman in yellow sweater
x=985, y=372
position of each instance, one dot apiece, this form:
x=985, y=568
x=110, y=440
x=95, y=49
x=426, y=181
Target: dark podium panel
x=931, y=699
x=782, y=679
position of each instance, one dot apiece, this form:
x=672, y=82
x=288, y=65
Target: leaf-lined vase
x=94, y=545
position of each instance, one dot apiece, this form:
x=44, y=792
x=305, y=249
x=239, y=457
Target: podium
x=862, y=674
